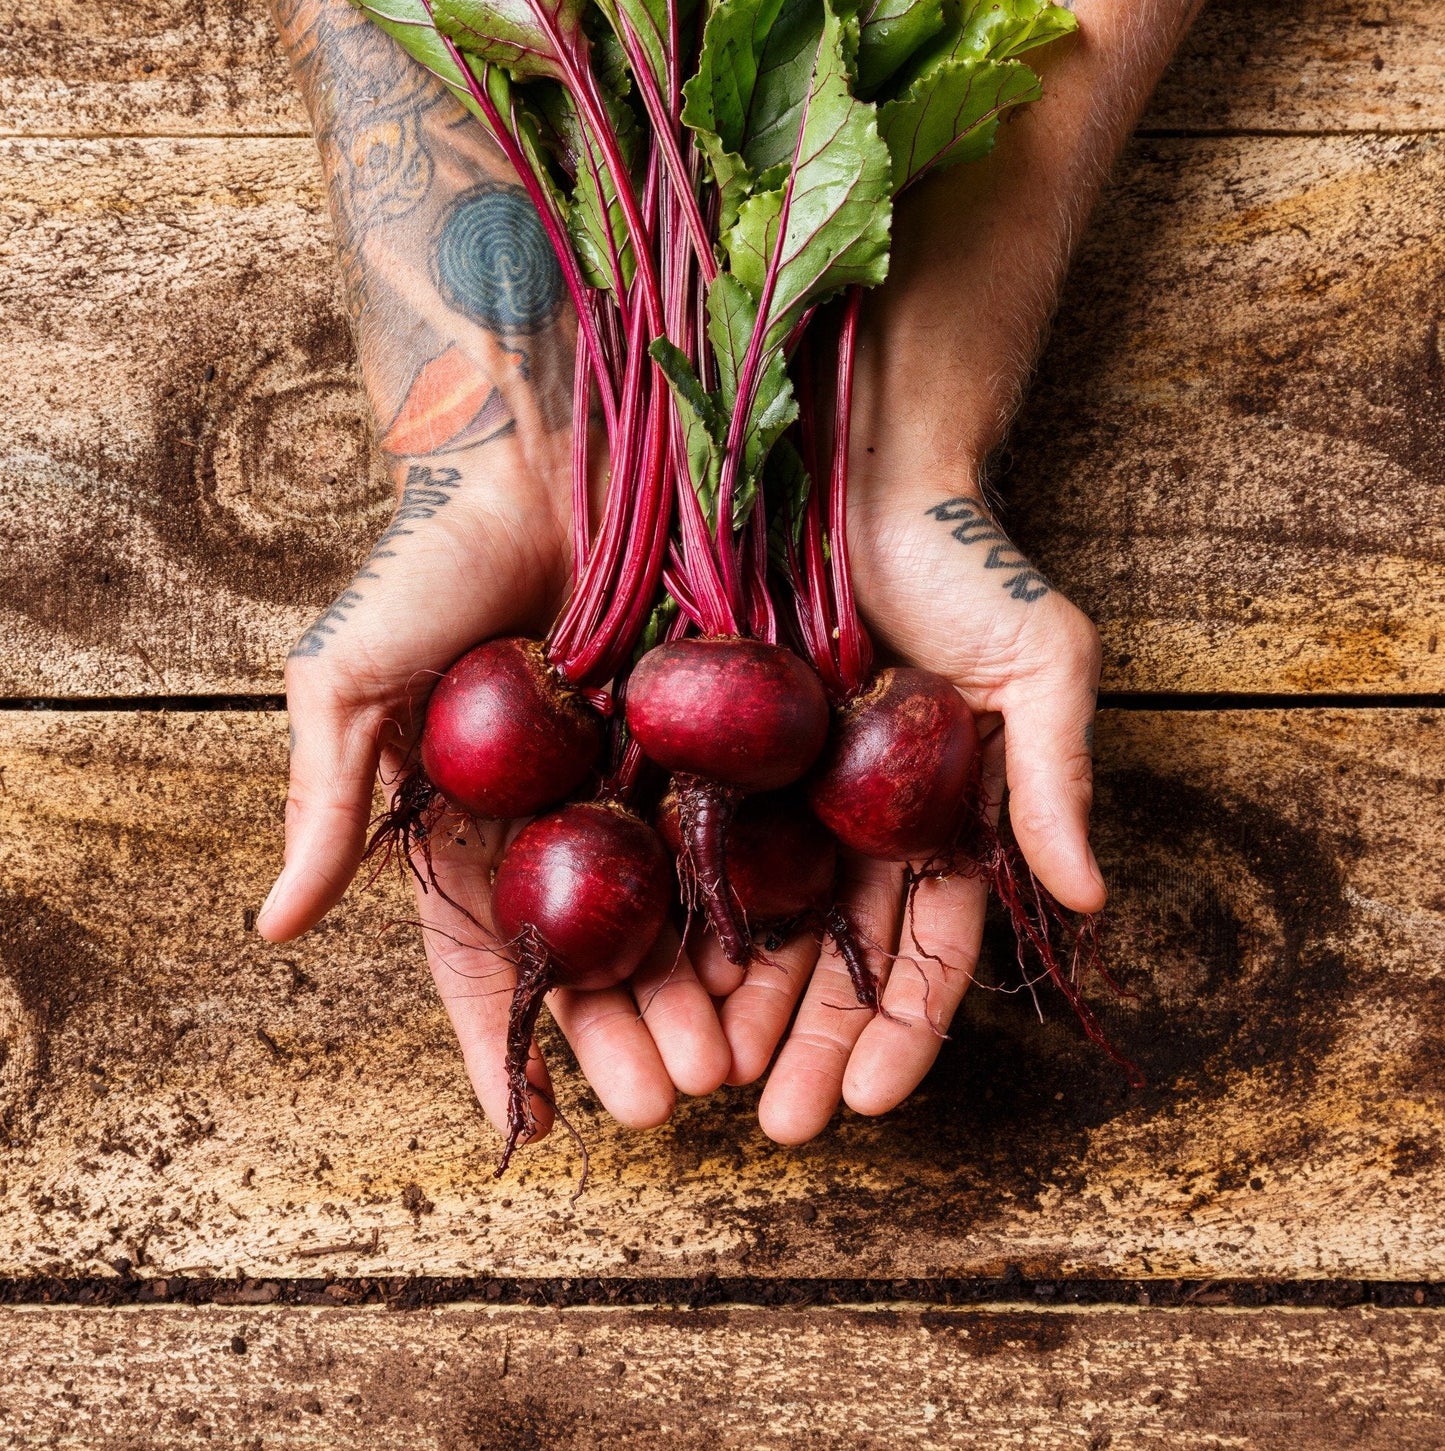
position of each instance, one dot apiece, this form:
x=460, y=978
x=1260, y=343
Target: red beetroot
x=580, y=895
x=727, y=716
x=895, y=778
x=781, y=865
x=504, y=737
x=739, y=712
x=780, y=861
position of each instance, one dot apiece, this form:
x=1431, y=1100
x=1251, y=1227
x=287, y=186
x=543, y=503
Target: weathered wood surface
x=509, y=1379
x=180, y=1094
x=1233, y=457
x=183, y=67
x=1308, y=65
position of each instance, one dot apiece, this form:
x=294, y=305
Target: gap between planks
x=1196, y=701
x=1011, y=1294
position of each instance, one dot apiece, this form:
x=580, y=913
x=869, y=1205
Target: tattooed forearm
x=455, y=297
x=426, y=491
x=972, y=525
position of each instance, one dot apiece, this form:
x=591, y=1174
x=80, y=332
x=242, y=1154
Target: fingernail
x=270, y=897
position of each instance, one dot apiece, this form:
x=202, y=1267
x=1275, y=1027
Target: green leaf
x=747, y=98
x=892, y=30
x=962, y=81
x=950, y=114
x=731, y=317
x=787, y=488
x=407, y=21
x=647, y=19
x=840, y=207
x=509, y=33
x=704, y=424
x=1002, y=29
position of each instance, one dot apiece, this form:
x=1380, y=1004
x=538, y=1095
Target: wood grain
x=514, y=1378
x=180, y=67
x=185, y=466
x=1307, y=65
x=1232, y=459
x=179, y=1094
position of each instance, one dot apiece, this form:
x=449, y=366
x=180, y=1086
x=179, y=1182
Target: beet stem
x=865, y=984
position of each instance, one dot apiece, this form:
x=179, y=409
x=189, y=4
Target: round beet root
x=503, y=736
x=894, y=779
x=590, y=885
x=738, y=712
x=780, y=859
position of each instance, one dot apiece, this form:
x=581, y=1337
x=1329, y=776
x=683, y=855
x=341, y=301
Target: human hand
x=466, y=358
x=978, y=257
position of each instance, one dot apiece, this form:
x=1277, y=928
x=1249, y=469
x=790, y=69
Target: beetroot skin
x=738, y=712
x=781, y=862
x=504, y=737
x=590, y=884
x=894, y=780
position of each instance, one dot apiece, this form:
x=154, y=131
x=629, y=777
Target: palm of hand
x=942, y=588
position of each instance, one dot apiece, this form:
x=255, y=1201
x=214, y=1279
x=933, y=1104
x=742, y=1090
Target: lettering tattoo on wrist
x=972, y=525
x=426, y=491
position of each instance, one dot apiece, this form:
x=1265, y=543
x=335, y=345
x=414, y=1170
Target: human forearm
x=980, y=252
x=454, y=296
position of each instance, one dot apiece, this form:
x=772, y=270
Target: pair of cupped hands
x=496, y=560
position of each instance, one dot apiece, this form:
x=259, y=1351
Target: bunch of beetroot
x=717, y=186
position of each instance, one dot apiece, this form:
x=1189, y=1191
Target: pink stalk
x=855, y=651
x=662, y=126
x=581, y=502
x=551, y=223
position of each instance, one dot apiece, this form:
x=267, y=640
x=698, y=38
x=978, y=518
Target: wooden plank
x=1231, y=458
x=168, y=67
x=178, y=67
x=177, y=1093
x=185, y=464
x=1308, y=65
x=891, y=1377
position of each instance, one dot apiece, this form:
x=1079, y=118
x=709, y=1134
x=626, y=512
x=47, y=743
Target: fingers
x=681, y=1018
x=806, y=1083
x=719, y=976
x=474, y=977
x=1048, y=737
x=334, y=755
x=936, y=960
x=616, y=1053
x=756, y=1015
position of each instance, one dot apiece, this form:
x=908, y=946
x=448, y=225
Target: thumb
x=1048, y=731
x=334, y=753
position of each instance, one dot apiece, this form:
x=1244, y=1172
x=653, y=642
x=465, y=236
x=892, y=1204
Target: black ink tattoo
x=974, y=526
x=426, y=491
x=494, y=263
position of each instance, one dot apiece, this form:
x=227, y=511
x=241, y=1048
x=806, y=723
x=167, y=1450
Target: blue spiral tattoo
x=494, y=263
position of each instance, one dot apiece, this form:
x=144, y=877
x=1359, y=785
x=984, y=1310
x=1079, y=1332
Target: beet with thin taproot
x=580, y=895
x=781, y=860
x=895, y=778
x=504, y=736
x=741, y=713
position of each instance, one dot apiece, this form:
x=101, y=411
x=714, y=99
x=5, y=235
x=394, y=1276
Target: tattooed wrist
x=424, y=494
x=973, y=525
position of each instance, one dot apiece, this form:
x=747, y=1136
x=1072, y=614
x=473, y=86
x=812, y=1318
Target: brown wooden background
x=219, y=1160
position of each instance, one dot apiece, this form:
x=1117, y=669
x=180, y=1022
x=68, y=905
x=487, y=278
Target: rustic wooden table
x=221, y=1161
